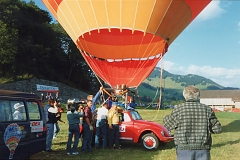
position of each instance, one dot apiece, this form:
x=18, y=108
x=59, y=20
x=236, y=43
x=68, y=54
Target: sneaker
x=75, y=153
x=68, y=153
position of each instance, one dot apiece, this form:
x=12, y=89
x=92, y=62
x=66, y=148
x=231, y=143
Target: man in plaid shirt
x=193, y=123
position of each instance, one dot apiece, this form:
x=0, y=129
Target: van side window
x=18, y=111
x=4, y=109
x=33, y=109
x=12, y=111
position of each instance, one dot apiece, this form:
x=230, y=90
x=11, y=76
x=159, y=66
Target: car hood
x=151, y=124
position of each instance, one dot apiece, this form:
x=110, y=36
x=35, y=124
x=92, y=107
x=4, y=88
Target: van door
x=15, y=129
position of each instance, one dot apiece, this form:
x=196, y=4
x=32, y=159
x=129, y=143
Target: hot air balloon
x=123, y=40
x=12, y=136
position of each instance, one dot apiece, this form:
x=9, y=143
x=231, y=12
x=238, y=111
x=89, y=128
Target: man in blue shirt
x=94, y=99
x=73, y=117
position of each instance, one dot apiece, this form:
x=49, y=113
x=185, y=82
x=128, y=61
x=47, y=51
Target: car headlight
x=162, y=132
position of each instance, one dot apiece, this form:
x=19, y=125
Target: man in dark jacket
x=193, y=123
x=50, y=118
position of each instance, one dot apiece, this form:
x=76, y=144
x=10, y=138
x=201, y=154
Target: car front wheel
x=150, y=141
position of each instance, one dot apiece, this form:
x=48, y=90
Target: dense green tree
x=8, y=37
x=32, y=44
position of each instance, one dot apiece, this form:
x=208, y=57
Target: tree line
x=33, y=45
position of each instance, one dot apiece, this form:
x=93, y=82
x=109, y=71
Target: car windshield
x=135, y=115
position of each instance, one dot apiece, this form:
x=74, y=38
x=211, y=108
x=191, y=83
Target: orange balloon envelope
x=123, y=40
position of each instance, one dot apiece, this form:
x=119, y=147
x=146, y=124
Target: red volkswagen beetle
x=149, y=134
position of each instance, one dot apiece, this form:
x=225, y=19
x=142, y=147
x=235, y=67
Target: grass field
x=225, y=145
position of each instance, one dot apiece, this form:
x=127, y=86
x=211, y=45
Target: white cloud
x=213, y=10
x=222, y=76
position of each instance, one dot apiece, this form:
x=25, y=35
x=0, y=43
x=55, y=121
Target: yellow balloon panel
x=128, y=13
x=157, y=15
x=101, y=13
x=143, y=15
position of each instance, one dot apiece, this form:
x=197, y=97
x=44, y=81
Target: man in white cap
x=17, y=114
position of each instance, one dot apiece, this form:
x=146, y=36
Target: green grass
x=225, y=145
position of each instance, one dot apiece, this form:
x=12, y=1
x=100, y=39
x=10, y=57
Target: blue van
x=22, y=126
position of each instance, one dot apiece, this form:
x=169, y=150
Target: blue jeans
x=193, y=154
x=56, y=129
x=101, y=129
x=49, y=138
x=87, y=138
x=73, y=130
x=114, y=136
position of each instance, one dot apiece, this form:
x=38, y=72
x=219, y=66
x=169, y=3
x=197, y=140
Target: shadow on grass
x=225, y=143
x=129, y=151
x=61, y=143
x=131, y=146
x=232, y=127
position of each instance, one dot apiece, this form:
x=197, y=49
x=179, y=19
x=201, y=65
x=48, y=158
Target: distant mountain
x=172, y=86
x=185, y=80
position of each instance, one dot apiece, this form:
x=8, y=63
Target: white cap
x=18, y=105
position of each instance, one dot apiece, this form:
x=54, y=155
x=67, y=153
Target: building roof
x=234, y=94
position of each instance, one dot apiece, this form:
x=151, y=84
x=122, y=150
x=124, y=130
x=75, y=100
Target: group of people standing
x=99, y=118
x=104, y=119
x=192, y=121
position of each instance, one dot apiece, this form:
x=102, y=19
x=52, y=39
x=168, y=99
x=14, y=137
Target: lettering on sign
x=36, y=126
x=122, y=128
x=35, y=123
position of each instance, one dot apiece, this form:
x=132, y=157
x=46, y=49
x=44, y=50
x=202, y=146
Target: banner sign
x=45, y=88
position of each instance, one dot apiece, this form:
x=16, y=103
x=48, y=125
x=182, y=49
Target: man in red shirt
x=87, y=128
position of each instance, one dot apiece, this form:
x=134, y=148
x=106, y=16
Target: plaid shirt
x=193, y=123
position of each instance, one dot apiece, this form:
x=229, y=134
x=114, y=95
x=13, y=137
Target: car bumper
x=167, y=139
